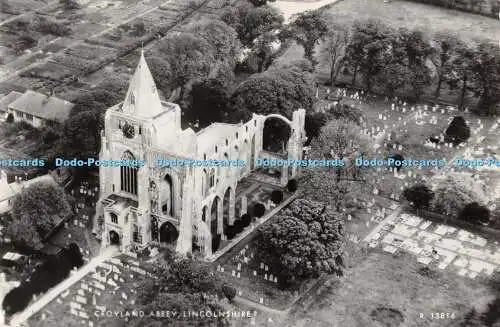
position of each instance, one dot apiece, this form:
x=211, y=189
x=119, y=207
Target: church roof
x=142, y=97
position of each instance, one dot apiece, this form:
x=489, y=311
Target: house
x=8, y=191
x=40, y=110
x=6, y=100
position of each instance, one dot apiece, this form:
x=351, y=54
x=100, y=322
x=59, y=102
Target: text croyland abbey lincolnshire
x=178, y=315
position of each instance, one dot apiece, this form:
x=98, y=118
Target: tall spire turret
x=142, y=97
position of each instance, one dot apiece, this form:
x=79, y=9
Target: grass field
x=411, y=15
x=386, y=290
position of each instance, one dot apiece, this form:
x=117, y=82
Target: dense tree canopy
x=36, y=211
x=306, y=240
x=189, y=57
x=451, y=197
x=275, y=91
x=82, y=138
x=224, y=41
x=183, y=284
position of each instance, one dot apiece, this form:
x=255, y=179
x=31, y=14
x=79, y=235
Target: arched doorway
x=114, y=238
x=167, y=196
x=168, y=233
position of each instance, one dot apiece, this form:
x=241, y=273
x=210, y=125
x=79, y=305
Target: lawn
x=413, y=15
x=386, y=290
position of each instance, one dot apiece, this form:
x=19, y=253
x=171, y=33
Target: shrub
x=230, y=232
x=419, y=195
x=458, y=131
x=475, y=213
x=10, y=118
x=229, y=292
x=238, y=226
x=277, y=196
x=246, y=219
x=215, y=242
x=292, y=185
x=259, y=210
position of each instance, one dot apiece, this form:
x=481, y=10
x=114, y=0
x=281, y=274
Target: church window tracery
x=128, y=175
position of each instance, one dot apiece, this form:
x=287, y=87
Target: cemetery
x=396, y=283
x=111, y=286
x=439, y=246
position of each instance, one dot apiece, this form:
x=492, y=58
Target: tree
x=292, y=185
x=259, y=210
x=313, y=124
x=419, y=195
x=36, y=211
x=189, y=56
x=334, y=49
x=443, y=52
x=307, y=29
x=458, y=131
x=264, y=49
x=486, y=77
x=343, y=141
x=69, y=4
x=275, y=91
x=82, y=135
x=372, y=40
x=451, y=197
x=277, y=196
x=258, y=21
x=475, y=213
x=182, y=284
x=234, y=16
x=417, y=51
x=209, y=102
x=461, y=66
x=305, y=240
x=223, y=39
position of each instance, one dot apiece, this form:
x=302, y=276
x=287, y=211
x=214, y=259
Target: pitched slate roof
x=8, y=99
x=43, y=106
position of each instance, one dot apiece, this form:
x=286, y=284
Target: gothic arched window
x=128, y=175
x=212, y=177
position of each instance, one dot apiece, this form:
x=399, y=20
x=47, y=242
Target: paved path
x=242, y=301
x=54, y=292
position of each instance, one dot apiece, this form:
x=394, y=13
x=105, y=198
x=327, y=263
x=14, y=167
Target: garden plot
x=443, y=246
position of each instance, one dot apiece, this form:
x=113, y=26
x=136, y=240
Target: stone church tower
x=178, y=206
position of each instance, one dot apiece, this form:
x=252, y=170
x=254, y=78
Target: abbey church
x=183, y=206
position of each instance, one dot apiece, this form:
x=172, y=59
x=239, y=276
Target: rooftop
x=8, y=99
x=13, y=189
x=43, y=106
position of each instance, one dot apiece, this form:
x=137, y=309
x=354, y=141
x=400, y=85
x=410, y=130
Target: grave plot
x=438, y=245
